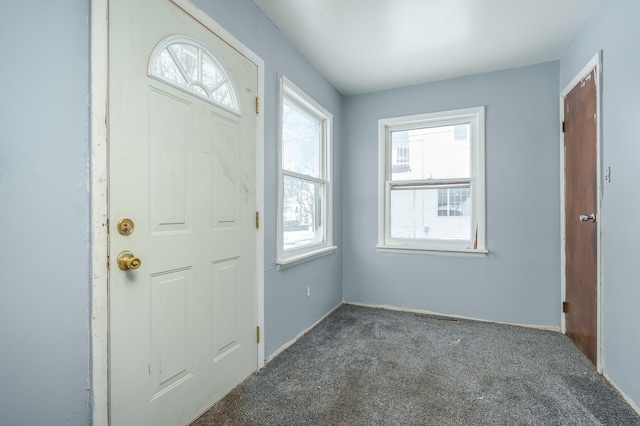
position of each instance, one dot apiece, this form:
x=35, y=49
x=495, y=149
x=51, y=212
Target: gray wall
x=44, y=213
x=287, y=308
x=519, y=281
x=614, y=29
x=45, y=204
x=44, y=200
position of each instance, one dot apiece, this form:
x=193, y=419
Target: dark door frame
x=594, y=63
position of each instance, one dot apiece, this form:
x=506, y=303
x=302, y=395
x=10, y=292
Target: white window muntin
x=476, y=181
x=300, y=99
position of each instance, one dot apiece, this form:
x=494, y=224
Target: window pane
x=303, y=222
x=210, y=72
x=223, y=95
x=431, y=153
x=300, y=141
x=167, y=68
x=187, y=56
x=418, y=213
x=199, y=90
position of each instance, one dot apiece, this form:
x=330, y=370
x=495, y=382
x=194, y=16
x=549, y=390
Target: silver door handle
x=590, y=218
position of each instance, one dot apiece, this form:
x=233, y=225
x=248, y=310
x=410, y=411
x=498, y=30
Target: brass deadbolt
x=127, y=261
x=125, y=226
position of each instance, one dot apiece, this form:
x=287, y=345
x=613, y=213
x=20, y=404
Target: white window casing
x=304, y=228
x=410, y=201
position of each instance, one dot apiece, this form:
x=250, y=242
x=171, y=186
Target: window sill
x=433, y=251
x=301, y=258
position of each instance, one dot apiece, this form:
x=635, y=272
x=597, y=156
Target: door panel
x=226, y=137
x=225, y=308
x=580, y=139
x=171, y=162
x=171, y=352
x=182, y=326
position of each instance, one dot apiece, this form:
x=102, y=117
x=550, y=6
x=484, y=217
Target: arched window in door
x=188, y=65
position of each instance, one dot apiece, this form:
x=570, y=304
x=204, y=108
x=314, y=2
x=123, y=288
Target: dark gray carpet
x=365, y=366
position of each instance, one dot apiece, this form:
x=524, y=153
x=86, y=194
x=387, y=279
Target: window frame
x=291, y=257
x=475, y=117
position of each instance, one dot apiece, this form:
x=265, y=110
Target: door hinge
x=563, y=127
x=257, y=104
x=258, y=334
x=257, y=220
x=565, y=307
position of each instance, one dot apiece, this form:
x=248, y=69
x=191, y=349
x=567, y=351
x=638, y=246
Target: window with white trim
x=304, y=204
x=432, y=184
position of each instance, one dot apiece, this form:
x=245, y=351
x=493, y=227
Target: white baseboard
x=626, y=397
x=425, y=312
x=299, y=335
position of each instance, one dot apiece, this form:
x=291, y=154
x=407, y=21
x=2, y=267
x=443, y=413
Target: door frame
x=595, y=62
x=99, y=62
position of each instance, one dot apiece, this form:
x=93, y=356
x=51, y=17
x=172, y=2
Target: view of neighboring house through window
x=432, y=184
x=453, y=202
x=401, y=157
x=305, y=191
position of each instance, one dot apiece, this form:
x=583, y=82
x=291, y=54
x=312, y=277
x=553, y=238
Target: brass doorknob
x=126, y=261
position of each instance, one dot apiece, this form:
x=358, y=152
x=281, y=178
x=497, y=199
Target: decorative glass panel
x=187, y=64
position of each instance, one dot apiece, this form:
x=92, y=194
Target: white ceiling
x=368, y=45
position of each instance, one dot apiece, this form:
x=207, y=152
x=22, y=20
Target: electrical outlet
x=308, y=291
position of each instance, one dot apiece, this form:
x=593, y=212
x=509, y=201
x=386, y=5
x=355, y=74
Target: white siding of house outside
x=414, y=212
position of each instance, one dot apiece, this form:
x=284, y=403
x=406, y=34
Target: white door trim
x=595, y=62
x=99, y=211
x=99, y=382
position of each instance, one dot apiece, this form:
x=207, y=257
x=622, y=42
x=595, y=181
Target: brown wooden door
x=580, y=138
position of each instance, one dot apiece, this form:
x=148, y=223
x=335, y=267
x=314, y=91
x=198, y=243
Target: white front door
x=182, y=133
